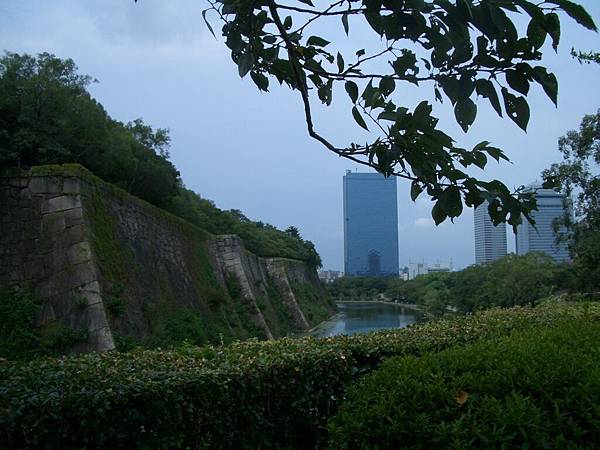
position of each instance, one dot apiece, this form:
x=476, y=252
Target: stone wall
x=45, y=246
x=125, y=272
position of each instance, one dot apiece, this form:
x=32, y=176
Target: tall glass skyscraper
x=370, y=225
x=490, y=240
x=542, y=238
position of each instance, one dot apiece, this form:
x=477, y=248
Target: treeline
x=47, y=116
x=510, y=281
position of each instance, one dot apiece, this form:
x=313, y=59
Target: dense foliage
x=578, y=176
x=260, y=238
x=273, y=394
x=20, y=338
x=538, y=388
x=511, y=281
x=460, y=49
x=47, y=116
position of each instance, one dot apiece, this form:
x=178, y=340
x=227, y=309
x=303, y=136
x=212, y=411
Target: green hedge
x=534, y=389
x=273, y=394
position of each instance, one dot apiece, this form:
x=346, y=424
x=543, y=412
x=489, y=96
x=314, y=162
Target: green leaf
x=340, y=62
x=479, y=159
x=437, y=213
x=496, y=153
x=450, y=201
x=360, y=52
x=486, y=89
x=260, y=80
x=548, y=81
x=551, y=24
x=536, y=34
x=516, y=108
x=345, y=23
x=245, y=63
x=358, y=118
x=208, y=24
x=415, y=190
x=317, y=41
x=517, y=81
x=465, y=112
x=576, y=12
x=325, y=92
x=352, y=90
x=269, y=39
x=287, y=22
x=307, y=2
x=387, y=85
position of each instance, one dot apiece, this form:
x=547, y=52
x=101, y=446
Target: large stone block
x=73, y=217
x=71, y=186
x=53, y=222
x=46, y=185
x=61, y=203
x=79, y=253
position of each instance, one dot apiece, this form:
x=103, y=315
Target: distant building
x=439, y=267
x=370, y=225
x=551, y=205
x=490, y=240
x=327, y=276
x=422, y=268
x=404, y=273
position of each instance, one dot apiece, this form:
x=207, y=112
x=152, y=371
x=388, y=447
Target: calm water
x=365, y=316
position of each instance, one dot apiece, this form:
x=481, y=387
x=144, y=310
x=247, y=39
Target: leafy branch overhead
x=461, y=49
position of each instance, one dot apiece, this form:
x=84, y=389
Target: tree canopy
x=47, y=116
x=578, y=176
x=461, y=49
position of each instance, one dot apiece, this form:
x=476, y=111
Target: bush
x=534, y=389
x=273, y=394
x=18, y=337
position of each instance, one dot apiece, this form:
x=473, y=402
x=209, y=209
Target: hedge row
x=534, y=389
x=273, y=394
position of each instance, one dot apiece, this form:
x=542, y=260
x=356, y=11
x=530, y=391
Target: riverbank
x=385, y=302
x=355, y=316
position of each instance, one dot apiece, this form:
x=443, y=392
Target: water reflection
x=362, y=317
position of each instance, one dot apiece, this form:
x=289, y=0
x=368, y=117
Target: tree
x=463, y=49
x=586, y=57
x=47, y=116
x=578, y=176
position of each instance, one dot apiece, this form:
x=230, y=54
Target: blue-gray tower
x=370, y=225
x=551, y=205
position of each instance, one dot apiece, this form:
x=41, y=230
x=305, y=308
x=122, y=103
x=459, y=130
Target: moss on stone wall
x=161, y=279
x=311, y=302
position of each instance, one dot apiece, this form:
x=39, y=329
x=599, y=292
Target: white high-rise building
x=551, y=205
x=490, y=240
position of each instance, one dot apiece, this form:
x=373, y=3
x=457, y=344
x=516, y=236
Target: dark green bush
x=273, y=394
x=18, y=337
x=534, y=389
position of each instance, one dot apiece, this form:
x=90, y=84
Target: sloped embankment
x=124, y=272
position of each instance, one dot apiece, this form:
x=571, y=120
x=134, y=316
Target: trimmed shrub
x=534, y=389
x=273, y=394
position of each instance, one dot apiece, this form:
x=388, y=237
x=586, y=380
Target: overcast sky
x=249, y=150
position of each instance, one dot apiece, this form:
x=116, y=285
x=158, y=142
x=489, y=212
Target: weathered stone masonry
x=45, y=246
x=73, y=239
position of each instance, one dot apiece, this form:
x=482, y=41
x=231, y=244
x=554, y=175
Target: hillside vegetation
x=47, y=116
x=511, y=281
